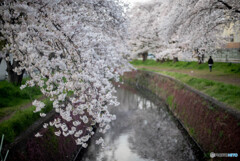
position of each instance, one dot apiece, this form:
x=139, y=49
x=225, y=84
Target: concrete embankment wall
x=213, y=125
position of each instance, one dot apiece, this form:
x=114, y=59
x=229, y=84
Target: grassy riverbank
x=12, y=98
x=222, y=90
x=16, y=110
x=21, y=120
x=224, y=68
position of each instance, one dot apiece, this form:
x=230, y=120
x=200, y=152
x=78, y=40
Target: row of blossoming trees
x=176, y=26
x=67, y=45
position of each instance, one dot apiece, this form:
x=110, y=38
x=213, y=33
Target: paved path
x=233, y=79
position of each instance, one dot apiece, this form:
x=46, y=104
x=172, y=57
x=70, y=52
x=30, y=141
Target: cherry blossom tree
x=67, y=46
x=183, y=25
x=143, y=37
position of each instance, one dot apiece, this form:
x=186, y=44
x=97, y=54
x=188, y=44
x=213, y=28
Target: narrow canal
x=143, y=131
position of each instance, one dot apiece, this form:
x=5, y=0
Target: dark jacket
x=210, y=61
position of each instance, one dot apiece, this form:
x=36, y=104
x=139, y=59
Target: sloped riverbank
x=49, y=147
x=213, y=125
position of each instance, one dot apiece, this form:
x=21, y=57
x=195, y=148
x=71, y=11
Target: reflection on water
x=142, y=132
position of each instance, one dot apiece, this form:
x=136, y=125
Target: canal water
x=143, y=131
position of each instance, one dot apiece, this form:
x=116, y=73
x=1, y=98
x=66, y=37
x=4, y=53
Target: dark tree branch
x=228, y=6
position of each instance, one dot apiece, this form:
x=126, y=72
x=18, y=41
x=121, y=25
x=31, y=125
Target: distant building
x=230, y=52
x=233, y=33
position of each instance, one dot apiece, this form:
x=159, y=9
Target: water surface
x=143, y=131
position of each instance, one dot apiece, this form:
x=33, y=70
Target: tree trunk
x=199, y=60
x=0, y=60
x=163, y=60
x=202, y=58
x=175, y=59
x=12, y=76
x=144, y=56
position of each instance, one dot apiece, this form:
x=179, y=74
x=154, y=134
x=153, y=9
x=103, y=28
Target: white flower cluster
x=39, y=105
x=71, y=50
x=100, y=141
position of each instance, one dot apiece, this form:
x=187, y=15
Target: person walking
x=210, y=63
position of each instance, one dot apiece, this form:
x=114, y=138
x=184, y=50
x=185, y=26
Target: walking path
x=24, y=106
x=233, y=79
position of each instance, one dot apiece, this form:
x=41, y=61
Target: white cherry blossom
x=72, y=50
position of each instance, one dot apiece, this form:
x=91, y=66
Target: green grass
x=192, y=131
x=220, y=134
x=225, y=93
x=228, y=68
x=20, y=121
x=170, y=101
x=11, y=95
x=11, y=100
x=52, y=143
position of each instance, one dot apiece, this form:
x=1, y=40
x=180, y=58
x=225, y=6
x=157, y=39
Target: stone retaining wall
x=213, y=125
